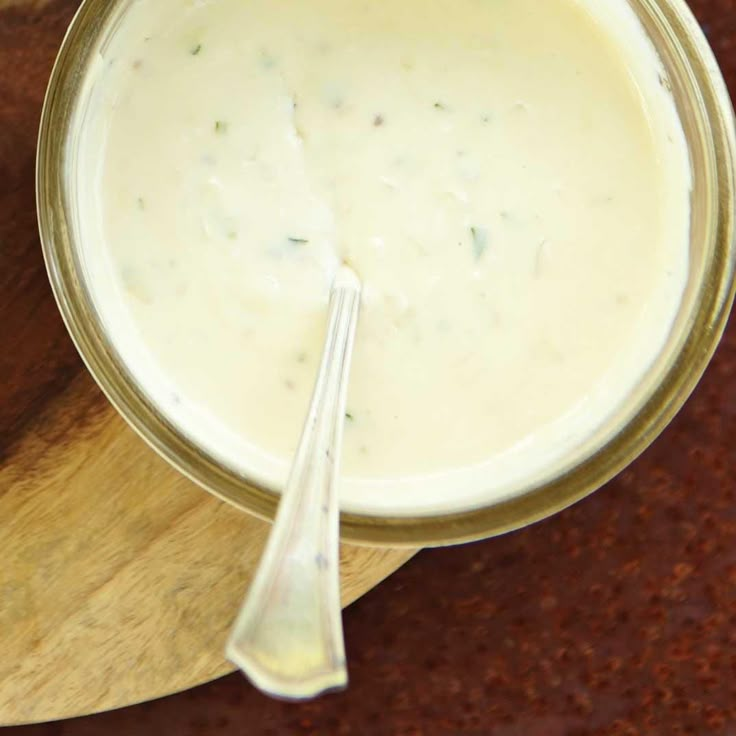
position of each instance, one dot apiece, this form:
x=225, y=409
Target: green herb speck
x=439, y=106
x=349, y=416
x=220, y=126
x=298, y=241
x=267, y=60
x=480, y=241
x=194, y=50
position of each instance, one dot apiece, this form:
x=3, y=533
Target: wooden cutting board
x=119, y=578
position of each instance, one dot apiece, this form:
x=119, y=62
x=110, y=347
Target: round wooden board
x=119, y=578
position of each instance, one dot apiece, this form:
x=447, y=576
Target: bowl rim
x=659, y=408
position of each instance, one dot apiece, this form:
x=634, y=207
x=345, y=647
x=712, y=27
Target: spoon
x=288, y=637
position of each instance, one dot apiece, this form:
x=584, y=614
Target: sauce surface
x=509, y=179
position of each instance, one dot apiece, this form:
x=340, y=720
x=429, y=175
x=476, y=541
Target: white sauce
x=509, y=178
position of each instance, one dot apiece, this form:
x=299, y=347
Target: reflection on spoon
x=288, y=638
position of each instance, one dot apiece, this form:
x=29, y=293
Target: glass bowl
x=707, y=118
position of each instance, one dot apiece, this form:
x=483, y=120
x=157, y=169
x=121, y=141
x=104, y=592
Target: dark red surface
x=616, y=617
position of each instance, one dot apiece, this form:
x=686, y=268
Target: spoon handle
x=288, y=638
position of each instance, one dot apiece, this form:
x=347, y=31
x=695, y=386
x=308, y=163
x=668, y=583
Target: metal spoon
x=288, y=638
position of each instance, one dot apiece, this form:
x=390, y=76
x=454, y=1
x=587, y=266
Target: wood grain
x=119, y=578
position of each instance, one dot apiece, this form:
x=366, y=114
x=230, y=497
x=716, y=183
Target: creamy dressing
x=509, y=178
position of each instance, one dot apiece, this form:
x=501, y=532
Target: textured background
x=616, y=617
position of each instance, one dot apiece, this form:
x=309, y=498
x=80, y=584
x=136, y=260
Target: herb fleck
x=480, y=241
x=298, y=241
x=194, y=50
x=220, y=126
x=267, y=60
x=439, y=106
x=539, y=258
x=349, y=416
x=378, y=121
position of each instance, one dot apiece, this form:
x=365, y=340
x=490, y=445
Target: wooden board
x=119, y=579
